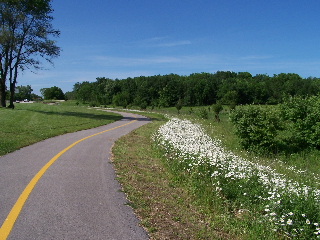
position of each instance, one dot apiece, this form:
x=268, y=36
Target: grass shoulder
x=31, y=123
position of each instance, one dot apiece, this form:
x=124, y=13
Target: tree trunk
x=2, y=94
x=13, y=81
x=12, y=91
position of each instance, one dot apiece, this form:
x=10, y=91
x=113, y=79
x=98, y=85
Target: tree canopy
x=196, y=89
x=53, y=93
x=25, y=31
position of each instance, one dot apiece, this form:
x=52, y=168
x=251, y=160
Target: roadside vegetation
x=32, y=122
x=242, y=194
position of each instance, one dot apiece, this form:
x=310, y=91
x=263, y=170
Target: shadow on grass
x=94, y=116
x=81, y=115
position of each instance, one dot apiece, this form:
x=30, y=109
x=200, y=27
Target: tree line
x=197, y=89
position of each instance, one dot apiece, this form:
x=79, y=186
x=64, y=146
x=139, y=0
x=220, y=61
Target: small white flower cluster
x=186, y=141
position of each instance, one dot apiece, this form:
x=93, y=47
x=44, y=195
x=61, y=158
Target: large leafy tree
x=23, y=92
x=25, y=32
x=53, y=93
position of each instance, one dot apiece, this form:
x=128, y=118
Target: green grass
x=149, y=180
x=31, y=123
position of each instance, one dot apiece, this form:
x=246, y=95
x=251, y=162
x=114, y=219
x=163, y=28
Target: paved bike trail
x=77, y=197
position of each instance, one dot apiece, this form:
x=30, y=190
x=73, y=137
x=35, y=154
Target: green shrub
x=302, y=118
x=217, y=108
x=179, y=106
x=203, y=113
x=93, y=104
x=143, y=106
x=292, y=127
x=257, y=128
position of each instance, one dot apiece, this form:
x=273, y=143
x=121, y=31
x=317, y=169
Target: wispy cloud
x=174, y=44
x=126, y=61
x=256, y=57
x=164, y=42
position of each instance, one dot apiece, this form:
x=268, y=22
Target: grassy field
x=30, y=123
x=177, y=204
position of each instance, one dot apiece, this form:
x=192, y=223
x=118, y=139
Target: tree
x=217, y=108
x=23, y=92
x=53, y=93
x=25, y=28
x=84, y=92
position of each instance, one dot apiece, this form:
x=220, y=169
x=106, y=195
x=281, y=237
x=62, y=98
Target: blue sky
x=129, y=38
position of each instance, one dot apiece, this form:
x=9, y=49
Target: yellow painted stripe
x=15, y=211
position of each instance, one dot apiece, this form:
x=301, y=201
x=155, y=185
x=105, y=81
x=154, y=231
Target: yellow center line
x=16, y=209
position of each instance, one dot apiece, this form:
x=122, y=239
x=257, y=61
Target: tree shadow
x=81, y=115
x=92, y=116
x=138, y=119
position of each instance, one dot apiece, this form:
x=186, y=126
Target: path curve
x=78, y=196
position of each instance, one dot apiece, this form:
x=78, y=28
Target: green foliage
x=25, y=32
x=257, y=128
x=94, y=104
x=217, y=108
x=143, y=106
x=197, y=89
x=53, y=93
x=179, y=105
x=203, y=113
x=23, y=92
x=121, y=99
x=302, y=118
x=292, y=127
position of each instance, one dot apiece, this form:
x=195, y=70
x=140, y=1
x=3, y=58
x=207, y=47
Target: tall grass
x=30, y=123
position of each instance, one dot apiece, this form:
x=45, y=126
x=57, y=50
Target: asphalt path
x=77, y=197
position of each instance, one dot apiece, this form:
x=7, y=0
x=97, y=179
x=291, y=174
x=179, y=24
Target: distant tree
x=84, y=92
x=25, y=29
x=121, y=99
x=70, y=95
x=217, y=108
x=53, y=93
x=35, y=97
x=179, y=105
x=23, y=92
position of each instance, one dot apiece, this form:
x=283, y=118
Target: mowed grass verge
x=33, y=122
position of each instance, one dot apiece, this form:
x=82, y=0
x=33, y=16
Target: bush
x=302, y=118
x=292, y=127
x=143, y=106
x=257, y=128
x=203, y=113
x=179, y=106
x=93, y=104
x=217, y=108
